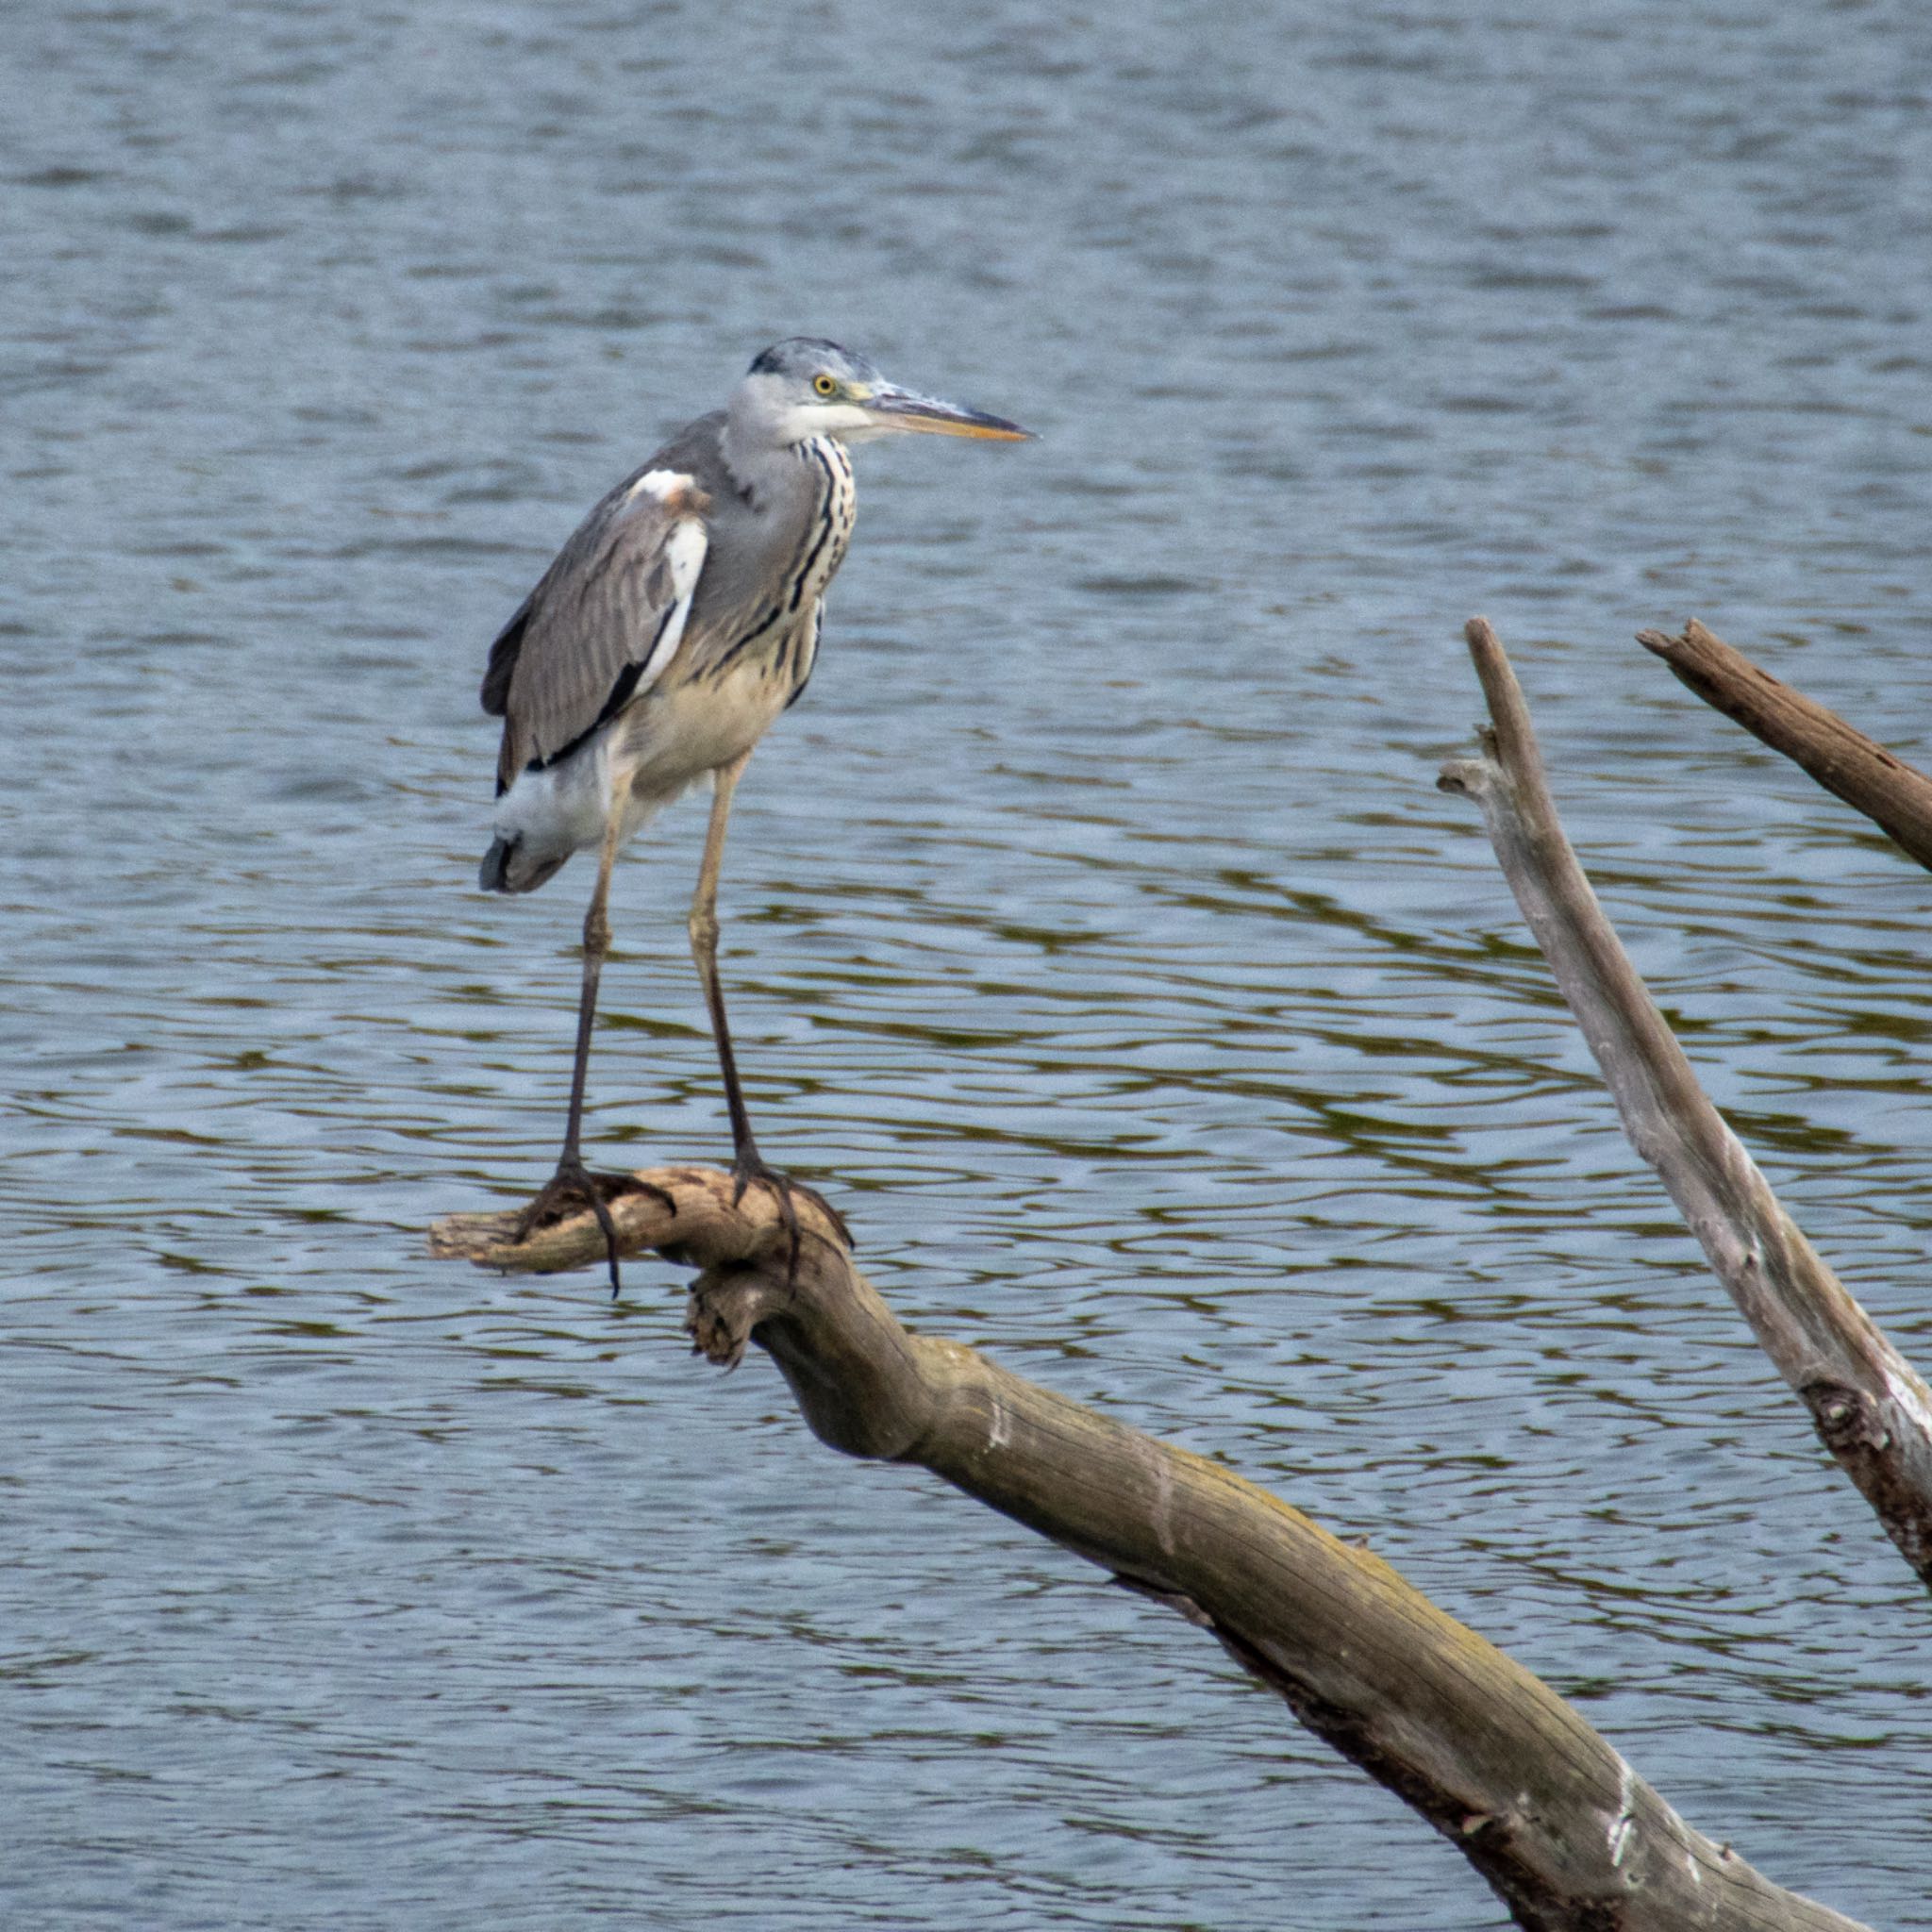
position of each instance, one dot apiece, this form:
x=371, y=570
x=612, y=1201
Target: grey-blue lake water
x=1097, y=935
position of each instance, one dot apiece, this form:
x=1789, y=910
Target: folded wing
x=602, y=623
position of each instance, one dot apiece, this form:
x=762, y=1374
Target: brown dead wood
x=1896, y=796
x=1869, y=1405
x=1567, y=1834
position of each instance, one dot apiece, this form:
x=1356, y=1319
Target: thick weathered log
x=1896, y=796
x=1569, y=1836
x=1869, y=1405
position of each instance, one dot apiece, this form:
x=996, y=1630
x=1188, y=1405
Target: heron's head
x=804, y=386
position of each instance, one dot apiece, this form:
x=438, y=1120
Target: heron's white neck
x=763, y=440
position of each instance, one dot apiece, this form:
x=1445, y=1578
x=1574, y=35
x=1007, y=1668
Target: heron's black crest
x=804, y=356
x=782, y=357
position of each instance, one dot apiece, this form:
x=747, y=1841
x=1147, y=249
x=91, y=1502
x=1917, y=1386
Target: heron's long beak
x=899, y=409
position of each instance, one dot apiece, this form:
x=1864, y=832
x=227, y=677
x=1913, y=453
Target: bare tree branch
x=1569, y=1836
x=1869, y=1407
x=1893, y=795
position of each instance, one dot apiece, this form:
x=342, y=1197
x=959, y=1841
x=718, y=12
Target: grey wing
x=602, y=624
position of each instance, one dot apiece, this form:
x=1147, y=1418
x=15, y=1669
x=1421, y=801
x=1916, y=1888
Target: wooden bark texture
x=1569, y=1836
x=1896, y=796
x=1869, y=1405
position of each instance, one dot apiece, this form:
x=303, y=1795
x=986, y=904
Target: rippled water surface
x=1097, y=935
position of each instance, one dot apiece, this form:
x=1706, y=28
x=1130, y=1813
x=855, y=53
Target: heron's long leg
x=573, y=1181
x=596, y=946
x=704, y=950
x=745, y=1160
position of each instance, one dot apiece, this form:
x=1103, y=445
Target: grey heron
x=676, y=625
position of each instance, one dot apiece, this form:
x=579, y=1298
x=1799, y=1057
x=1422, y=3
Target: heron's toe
x=748, y=1169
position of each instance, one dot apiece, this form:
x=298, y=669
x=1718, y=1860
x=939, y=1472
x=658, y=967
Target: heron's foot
x=572, y=1188
x=749, y=1169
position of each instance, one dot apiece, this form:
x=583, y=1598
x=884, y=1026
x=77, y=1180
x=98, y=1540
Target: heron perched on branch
x=672, y=629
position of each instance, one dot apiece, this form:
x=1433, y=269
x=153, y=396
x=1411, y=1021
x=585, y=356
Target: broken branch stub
x=1870, y=1407
x=1896, y=796
x=1567, y=1835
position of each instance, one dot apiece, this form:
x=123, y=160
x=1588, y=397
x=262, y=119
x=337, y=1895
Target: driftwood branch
x=1869, y=1405
x=1569, y=1837
x=1896, y=796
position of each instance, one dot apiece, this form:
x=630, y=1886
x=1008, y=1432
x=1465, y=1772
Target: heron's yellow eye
x=824, y=385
